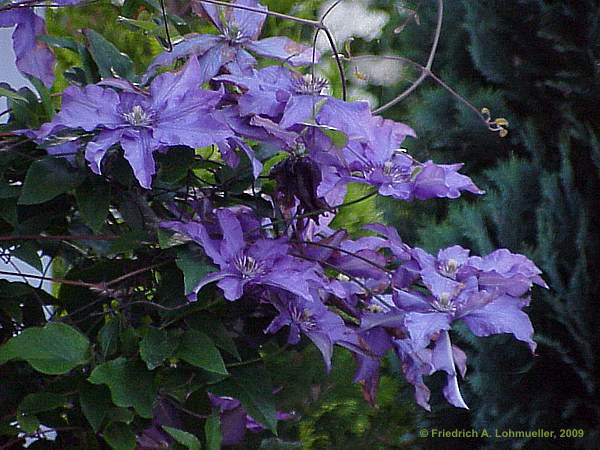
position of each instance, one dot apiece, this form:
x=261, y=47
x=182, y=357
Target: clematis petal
x=33, y=57
x=138, y=146
x=249, y=23
x=209, y=10
x=300, y=108
x=443, y=359
x=423, y=326
x=96, y=149
x=232, y=287
x=233, y=236
x=284, y=49
x=198, y=233
x=210, y=278
x=170, y=88
x=324, y=344
x=502, y=315
x=193, y=44
x=88, y=108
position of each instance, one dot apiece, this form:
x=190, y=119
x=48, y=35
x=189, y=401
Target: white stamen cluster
x=138, y=117
x=310, y=86
x=303, y=317
x=248, y=266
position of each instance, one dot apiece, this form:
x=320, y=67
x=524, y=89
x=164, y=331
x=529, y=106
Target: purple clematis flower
x=313, y=319
x=265, y=262
x=381, y=163
x=484, y=312
x=239, y=31
x=294, y=100
x=176, y=111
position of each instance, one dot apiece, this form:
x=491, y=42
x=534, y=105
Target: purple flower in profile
x=377, y=342
x=239, y=31
x=313, y=319
x=235, y=421
x=154, y=437
x=176, y=111
x=500, y=271
x=508, y=272
x=418, y=362
x=34, y=57
x=381, y=163
x=264, y=262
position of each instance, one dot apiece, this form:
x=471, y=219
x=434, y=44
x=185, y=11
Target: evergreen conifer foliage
x=544, y=58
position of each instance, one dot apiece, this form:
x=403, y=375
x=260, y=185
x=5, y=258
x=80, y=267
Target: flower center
x=233, y=35
x=248, y=266
x=138, y=117
x=303, y=317
x=388, y=172
x=444, y=303
x=449, y=267
x=307, y=85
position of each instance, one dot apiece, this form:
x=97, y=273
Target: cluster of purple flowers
x=370, y=295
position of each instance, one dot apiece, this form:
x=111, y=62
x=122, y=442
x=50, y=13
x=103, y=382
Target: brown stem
x=427, y=73
x=347, y=252
x=41, y=237
x=425, y=70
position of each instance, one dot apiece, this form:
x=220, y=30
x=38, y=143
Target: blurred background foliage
x=534, y=62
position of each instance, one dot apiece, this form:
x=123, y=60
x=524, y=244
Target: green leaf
x=199, y=350
x=5, y=92
x=36, y=403
x=252, y=386
x=194, y=268
x=110, y=61
x=9, y=191
x=144, y=25
x=212, y=431
x=95, y=403
x=175, y=164
x=119, y=436
x=339, y=138
x=188, y=440
x=45, y=97
x=28, y=253
x=124, y=415
x=130, y=384
x=156, y=346
x=54, y=349
x=48, y=178
x=59, y=42
x=212, y=326
x=108, y=338
x=93, y=199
